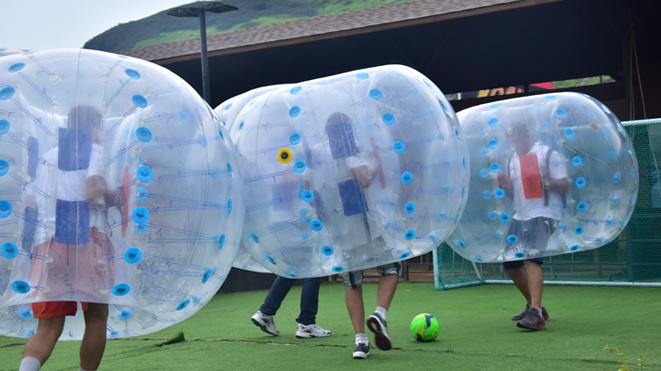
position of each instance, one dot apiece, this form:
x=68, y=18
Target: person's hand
x=374, y=165
x=504, y=181
x=113, y=197
x=546, y=183
x=363, y=175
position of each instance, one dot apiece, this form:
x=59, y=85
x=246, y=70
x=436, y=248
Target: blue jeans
x=309, y=298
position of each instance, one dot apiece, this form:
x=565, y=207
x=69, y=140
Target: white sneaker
x=265, y=323
x=311, y=331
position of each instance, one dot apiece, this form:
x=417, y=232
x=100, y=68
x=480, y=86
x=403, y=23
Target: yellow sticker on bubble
x=284, y=155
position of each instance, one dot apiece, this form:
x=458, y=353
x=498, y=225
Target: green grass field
x=476, y=334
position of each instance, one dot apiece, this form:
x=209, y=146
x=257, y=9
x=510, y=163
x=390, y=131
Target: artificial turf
x=476, y=334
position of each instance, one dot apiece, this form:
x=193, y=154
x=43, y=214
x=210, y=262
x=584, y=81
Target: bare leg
x=387, y=287
x=535, y=283
x=520, y=278
x=94, y=339
x=376, y=323
x=355, y=307
x=41, y=344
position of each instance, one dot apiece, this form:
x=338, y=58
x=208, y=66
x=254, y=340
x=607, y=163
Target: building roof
x=460, y=45
x=385, y=17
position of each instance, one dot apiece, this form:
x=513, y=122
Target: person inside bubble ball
x=536, y=179
x=364, y=169
x=70, y=245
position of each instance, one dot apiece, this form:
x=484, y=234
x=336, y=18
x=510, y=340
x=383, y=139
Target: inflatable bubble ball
x=227, y=112
x=229, y=109
x=349, y=171
x=550, y=174
x=117, y=185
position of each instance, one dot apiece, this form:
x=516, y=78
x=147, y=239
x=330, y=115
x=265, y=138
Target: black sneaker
x=361, y=351
x=378, y=326
x=532, y=321
x=523, y=314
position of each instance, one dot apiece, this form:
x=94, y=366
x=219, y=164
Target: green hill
x=161, y=28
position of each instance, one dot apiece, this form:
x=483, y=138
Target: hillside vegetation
x=161, y=28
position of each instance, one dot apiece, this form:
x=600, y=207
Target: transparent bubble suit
x=159, y=244
x=578, y=137
x=350, y=171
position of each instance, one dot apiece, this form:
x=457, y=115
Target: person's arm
x=95, y=188
x=97, y=192
x=114, y=197
x=558, y=185
x=365, y=174
x=557, y=181
x=505, y=183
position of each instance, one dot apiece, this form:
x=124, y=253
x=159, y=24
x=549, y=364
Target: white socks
x=29, y=364
x=382, y=312
x=361, y=338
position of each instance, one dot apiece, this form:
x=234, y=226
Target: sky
x=52, y=24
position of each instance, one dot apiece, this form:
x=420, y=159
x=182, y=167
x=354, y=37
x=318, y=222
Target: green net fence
x=634, y=258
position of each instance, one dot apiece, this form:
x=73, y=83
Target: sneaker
x=378, y=326
x=311, y=331
x=361, y=351
x=523, y=314
x=532, y=321
x=265, y=322
x=545, y=314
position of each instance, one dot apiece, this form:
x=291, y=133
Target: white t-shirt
x=526, y=209
x=52, y=184
x=336, y=171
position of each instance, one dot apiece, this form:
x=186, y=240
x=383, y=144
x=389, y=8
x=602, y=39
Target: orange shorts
x=73, y=272
x=52, y=309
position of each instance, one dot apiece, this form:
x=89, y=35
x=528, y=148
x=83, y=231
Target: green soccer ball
x=424, y=327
